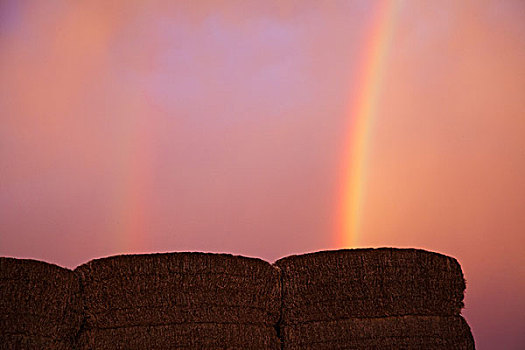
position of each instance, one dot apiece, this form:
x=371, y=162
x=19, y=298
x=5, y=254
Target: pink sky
x=133, y=126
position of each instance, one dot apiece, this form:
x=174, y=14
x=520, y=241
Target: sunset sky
x=270, y=128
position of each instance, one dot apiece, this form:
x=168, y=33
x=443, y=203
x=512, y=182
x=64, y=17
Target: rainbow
x=133, y=160
x=362, y=113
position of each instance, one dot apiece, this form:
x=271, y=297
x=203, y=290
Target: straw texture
x=182, y=336
x=39, y=305
x=204, y=299
x=403, y=332
x=369, y=283
x=347, y=299
x=21, y=341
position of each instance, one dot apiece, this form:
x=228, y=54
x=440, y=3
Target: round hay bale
x=369, y=283
x=38, y=301
x=403, y=332
x=181, y=336
x=132, y=290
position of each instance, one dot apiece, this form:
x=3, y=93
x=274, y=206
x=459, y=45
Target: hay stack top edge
x=16, y=267
x=370, y=253
x=225, y=261
x=176, y=262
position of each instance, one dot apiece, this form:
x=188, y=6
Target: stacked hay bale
x=180, y=300
x=38, y=305
x=373, y=298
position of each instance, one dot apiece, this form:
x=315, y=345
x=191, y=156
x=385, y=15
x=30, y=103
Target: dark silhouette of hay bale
x=197, y=313
x=202, y=297
x=20, y=341
x=182, y=336
x=39, y=305
x=361, y=299
x=369, y=283
x=149, y=296
x=402, y=332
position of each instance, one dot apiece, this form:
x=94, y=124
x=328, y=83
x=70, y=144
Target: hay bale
x=39, y=304
x=169, y=294
x=182, y=263
x=369, y=283
x=165, y=314
x=202, y=297
x=182, y=336
x=403, y=332
x=21, y=341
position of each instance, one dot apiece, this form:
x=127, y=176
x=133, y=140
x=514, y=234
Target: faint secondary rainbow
x=362, y=113
x=133, y=160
